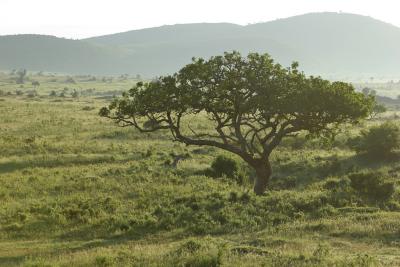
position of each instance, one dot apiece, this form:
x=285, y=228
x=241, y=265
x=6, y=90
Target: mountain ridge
x=323, y=43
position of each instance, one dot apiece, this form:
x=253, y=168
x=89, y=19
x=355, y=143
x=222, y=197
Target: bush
x=32, y=93
x=372, y=185
x=378, y=109
x=223, y=165
x=70, y=80
x=378, y=141
x=75, y=94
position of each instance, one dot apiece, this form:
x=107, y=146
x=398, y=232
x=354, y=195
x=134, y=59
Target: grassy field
x=75, y=190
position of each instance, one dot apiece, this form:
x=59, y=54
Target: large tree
x=251, y=102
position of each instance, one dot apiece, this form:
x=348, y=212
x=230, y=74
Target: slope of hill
x=339, y=42
x=324, y=43
x=48, y=53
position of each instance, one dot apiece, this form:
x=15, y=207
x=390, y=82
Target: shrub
x=35, y=83
x=88, y=108
x=223, y=165
x=70, y=80
x=75, y=94
x=372, y=185
x=378, y=109
x=32, y=93
x=378, y=141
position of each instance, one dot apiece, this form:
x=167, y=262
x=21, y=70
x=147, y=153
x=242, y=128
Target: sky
x=86, y=18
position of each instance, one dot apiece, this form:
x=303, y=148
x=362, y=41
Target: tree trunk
x=263, y=170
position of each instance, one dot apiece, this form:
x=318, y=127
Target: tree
x=377, y=109
x=35, y=84
x=21, y=75
x=252, y=103
x=366, y=91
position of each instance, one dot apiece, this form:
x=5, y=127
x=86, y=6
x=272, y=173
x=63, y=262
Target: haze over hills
x=323, y=43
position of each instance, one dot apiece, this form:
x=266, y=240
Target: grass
x=78, y=191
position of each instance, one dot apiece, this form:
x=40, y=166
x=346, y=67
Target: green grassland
x=75, y=190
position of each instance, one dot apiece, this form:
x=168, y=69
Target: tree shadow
x=78, y=240
x=310, y=171
x=12, y=260
x=12, y=166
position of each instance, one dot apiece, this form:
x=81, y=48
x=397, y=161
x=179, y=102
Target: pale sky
x=86, y=18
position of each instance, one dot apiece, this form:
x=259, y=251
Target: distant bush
x=223, y=165
x=75, y=94
x=378, y=109
x=19, y=92
x=372, y=185
x=53, y=93
x=88, y=108
x=32, y=94
x=70, y=80
x=378, y=141
x=35, y=83
x=21, y=75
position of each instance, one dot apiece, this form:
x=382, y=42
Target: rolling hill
x=324, y=43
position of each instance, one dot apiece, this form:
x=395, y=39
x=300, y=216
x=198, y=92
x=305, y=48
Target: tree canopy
x=252, y=103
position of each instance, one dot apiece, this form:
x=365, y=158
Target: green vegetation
x=78, y=191
x=223, y=165
x=378, y=141
x=251, y=103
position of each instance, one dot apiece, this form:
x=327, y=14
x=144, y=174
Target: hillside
x=324, y=43
x=48, y=53
x=339, y=42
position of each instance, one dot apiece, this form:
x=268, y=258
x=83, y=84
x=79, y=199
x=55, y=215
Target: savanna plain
x=76, y=190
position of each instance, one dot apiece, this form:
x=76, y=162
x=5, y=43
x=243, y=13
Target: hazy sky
x=84, y=18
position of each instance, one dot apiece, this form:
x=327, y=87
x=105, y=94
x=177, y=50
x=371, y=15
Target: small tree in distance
x=377, y=109
x=21, y=75
x=35, y=84
x=251, y=102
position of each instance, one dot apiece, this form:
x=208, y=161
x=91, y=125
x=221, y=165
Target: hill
x=324, y=43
